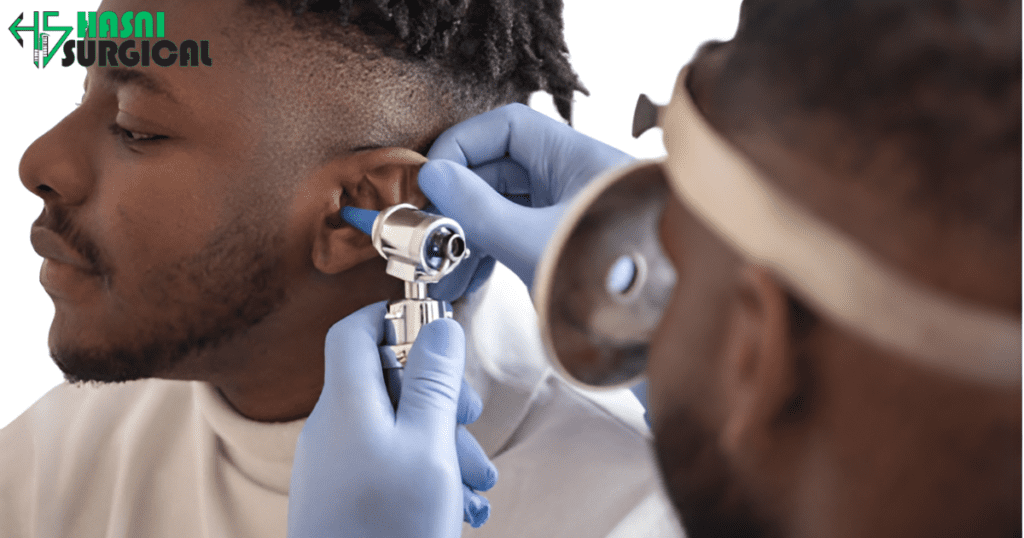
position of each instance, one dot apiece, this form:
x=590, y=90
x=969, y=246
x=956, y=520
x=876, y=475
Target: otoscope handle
x=402, y=324
x=420, y=249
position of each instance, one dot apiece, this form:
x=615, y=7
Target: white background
x=618, y=49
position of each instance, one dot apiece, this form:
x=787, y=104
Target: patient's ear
x=371, y=179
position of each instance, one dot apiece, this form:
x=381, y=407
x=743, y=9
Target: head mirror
x=604, y=279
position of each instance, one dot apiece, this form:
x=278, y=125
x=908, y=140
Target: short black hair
x=511, y=48
x=939, y=80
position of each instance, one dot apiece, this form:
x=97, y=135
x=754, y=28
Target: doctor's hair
x=924, y=90
x=508, y=48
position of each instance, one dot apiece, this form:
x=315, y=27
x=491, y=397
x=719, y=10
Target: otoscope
x=420, y=249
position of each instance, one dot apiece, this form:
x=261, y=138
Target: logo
x=91, y=47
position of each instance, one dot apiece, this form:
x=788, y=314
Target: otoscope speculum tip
x=360, y=218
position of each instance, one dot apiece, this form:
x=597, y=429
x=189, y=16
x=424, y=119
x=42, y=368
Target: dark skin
x=190, y=226
x=850, y=442
x=764, y=433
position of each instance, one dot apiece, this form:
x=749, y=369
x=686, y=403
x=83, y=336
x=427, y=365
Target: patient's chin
x=104, y=366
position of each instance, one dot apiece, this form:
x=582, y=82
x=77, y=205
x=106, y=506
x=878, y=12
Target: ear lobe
x=758, y=368
x=372, y=179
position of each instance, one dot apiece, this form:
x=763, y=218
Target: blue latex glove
x=363, y=469
x=512, y=153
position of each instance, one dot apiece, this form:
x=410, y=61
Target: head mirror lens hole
x=621, y=276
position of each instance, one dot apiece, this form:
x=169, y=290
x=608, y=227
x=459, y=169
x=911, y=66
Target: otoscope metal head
x=418, y=246
x=421, y=249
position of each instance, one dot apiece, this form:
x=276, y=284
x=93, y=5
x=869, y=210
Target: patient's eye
x=131, y=137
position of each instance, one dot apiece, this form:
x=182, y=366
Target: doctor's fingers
x=507, y=130
x=352, y=367
x=468, y=276
x=503, y=175
x=477, y=470
x=558, y=159
x=512, y=234
x=513, y=182
x=432, y=381
x=470, y=404
x=475, y=507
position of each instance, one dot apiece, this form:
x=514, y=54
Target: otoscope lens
x=456, y=247
x=435, y=247
x=445, y=244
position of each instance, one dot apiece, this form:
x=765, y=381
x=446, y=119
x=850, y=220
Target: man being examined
x=193, y=250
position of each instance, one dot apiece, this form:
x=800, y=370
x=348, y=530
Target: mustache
x=58, y=220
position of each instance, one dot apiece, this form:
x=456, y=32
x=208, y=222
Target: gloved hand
x=361, y=469
x=527, y=157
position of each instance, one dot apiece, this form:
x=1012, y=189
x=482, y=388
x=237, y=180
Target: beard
x=707, y=494
x=195, y=304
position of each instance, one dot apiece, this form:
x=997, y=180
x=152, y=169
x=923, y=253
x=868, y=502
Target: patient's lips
x=48, y=244
x=64, y=270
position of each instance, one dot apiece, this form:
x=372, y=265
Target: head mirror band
x=836, y=276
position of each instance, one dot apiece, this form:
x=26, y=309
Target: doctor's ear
x=371, y=179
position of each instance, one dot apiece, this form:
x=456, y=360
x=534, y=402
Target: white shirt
x=159, y=458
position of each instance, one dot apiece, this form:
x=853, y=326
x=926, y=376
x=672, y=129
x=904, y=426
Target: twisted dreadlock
x=515, y=47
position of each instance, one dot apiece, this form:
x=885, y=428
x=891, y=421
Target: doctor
x=837, y=284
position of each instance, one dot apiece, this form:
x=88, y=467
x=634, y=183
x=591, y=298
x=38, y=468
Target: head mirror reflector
x=604, y=279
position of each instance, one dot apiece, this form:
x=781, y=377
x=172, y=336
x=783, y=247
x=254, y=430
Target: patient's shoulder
x=69, y=412
x=72, y=449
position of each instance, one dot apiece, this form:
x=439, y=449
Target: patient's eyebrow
x=137, y=77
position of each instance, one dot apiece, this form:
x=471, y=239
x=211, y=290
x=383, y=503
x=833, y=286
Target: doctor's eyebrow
x=146, y=81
